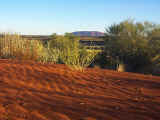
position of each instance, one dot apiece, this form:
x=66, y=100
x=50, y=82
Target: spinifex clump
x=15, y=46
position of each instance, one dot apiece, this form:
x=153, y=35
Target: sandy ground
x=33, y=91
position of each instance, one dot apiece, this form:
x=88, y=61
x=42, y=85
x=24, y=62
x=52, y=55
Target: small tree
x=131, y=43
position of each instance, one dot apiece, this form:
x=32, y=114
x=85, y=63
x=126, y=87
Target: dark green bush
x=132, y=44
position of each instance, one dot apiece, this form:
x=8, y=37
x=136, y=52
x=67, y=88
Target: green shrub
x=48, y=55
x=62, y=49
x=71, y=52
x=133, y=44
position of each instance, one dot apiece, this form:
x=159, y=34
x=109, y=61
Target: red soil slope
x=32, y=91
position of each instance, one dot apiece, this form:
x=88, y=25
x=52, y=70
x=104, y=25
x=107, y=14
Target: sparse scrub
x=62, y=49
x=14, y=46
x=71, y=52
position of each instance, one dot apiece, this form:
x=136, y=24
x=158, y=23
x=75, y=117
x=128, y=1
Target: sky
x=45, y=17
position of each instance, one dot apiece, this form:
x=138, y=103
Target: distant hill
x=88, y=34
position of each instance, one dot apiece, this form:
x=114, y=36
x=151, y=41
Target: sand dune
x=34, y=91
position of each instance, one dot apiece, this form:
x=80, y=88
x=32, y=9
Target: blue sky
x=60, y=16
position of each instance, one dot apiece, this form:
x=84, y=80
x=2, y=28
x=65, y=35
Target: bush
x=48, y=55
x=16, y=47
x=104, y=62
x=62, y=49
x=71, y=52
x=132, y=44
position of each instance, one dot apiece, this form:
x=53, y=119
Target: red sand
x=33, y=91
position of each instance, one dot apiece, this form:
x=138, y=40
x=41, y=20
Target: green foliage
x=47, y=55
x=61, y=49
x=132, y=44
x=71, y=52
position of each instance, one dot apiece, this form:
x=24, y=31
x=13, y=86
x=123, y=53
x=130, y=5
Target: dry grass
x=14, y=46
